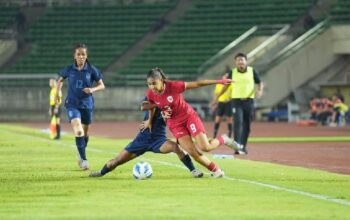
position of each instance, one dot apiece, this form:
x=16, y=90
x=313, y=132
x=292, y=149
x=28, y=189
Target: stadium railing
x=296, y=45
x=223, y=52
x=267, y=44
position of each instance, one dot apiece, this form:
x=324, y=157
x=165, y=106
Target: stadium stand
x=7, y=15
x=104, y=29
x=340, y=12
x=207, y=27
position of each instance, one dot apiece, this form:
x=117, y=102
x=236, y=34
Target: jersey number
x=79, y=84
x=193, y=127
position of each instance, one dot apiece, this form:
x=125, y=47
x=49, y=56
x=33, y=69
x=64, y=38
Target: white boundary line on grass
x=252, y=182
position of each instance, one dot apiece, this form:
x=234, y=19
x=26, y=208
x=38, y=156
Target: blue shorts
x=143, y=143
x=85, y=115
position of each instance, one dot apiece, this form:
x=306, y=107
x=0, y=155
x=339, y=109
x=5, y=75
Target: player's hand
x=144, y=125
x=166, y=113
x=57, y=99
x=214, y=102
x=259, y=93
x=224, y=81
x=89, y=90
x=55, y=111
x=213, y=105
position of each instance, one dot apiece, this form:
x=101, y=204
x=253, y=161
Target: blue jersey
x=77, y=81
x=158, y=124
x=149, y=141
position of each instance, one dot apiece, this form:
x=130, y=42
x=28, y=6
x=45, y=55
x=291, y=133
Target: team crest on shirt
x=88, y=77
x=170, y=99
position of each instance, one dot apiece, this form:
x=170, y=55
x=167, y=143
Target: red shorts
x=192, y=126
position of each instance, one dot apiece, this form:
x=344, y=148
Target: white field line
x=251, y=182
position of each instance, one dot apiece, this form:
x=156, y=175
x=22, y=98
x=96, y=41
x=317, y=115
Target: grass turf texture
x=39, y=179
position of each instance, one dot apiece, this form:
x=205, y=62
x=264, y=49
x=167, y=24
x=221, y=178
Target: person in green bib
x=244, y=90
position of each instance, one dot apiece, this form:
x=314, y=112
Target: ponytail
x=156, y=73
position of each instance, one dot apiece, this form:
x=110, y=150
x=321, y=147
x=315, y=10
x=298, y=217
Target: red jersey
x=173, y=98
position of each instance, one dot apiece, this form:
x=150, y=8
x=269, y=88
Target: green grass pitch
x=39, y=179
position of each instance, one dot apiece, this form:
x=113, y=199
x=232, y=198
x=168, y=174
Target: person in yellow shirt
x=339, y=111
x=223, y=108
x=55, y=110
x=247, y=85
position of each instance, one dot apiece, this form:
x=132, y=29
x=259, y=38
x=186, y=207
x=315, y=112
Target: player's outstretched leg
x=187, y=144
x=205, y=145
x=170, y=146
x=122, y=158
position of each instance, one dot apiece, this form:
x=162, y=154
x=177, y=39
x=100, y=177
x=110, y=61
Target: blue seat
x=276, y=115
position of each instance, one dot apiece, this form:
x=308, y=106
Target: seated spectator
x=339, y=111
x=326, y=110
x=315, y=108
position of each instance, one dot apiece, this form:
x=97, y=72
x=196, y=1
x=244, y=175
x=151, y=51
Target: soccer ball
x=142, y=170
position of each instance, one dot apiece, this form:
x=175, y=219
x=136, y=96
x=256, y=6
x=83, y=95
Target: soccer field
x=40, y=179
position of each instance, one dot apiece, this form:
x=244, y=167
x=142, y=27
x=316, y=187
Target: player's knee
x=176, y=149
x=79, y=133
x=194, y=154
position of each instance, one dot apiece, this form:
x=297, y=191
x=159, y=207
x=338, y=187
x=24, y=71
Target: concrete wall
x=341, y=39
x=302, y=66
x=21, y=103
x=218, y=69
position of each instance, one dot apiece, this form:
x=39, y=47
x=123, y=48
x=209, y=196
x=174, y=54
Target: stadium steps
x=206, y=27
x=340, y=12
x=7, y=15
x=102, y=28
x=153, y=34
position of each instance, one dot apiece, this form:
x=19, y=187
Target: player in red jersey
x=182, y=120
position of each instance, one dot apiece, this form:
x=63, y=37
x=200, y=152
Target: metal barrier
x=214, y=59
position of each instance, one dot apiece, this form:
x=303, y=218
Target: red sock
x=212, y=167
x=221, y=140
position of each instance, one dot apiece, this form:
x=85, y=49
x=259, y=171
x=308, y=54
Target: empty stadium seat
x=207, y=27
x=108, y=31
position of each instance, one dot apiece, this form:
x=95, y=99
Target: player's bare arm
x=147, y=106
x=260, y=90
x=148, y=123
x=100, y=86
x=58, y=88
x=216, y=98
x=206, y=82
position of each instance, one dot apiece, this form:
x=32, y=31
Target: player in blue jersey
x=79, y=102
x=152, y=137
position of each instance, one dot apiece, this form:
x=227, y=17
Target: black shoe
x=244, y=151
x=95, y=174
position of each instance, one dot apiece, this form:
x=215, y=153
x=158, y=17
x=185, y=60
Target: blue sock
x=86, y=140
x=80, y=142
x=104, y=170
x=188, y=162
